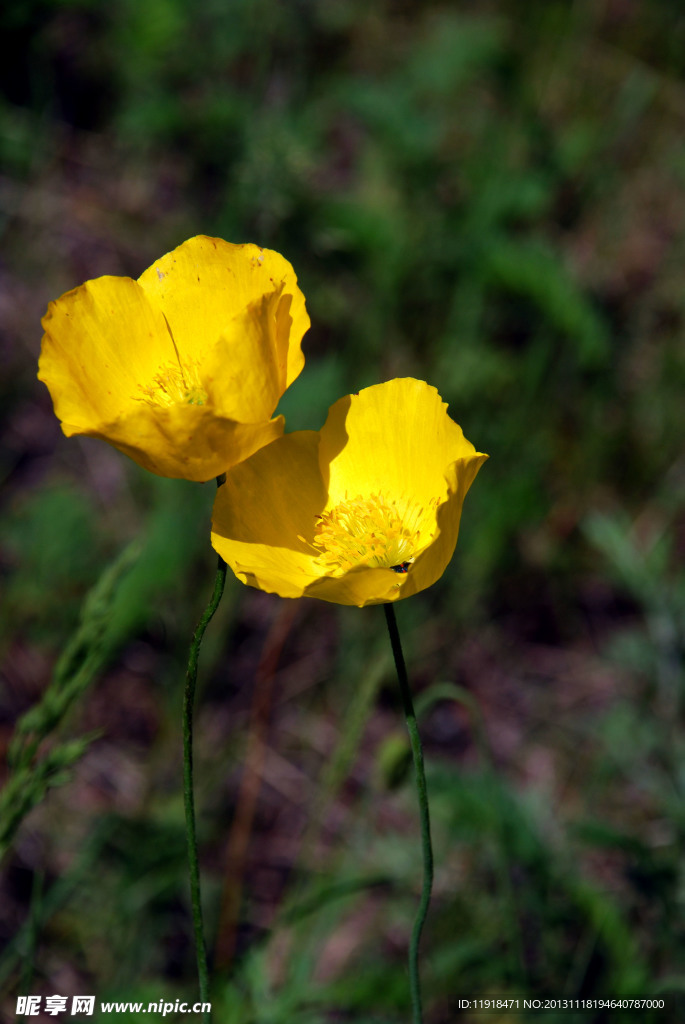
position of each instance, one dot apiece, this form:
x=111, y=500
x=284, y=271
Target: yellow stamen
x=174, y=384
x=369, y=531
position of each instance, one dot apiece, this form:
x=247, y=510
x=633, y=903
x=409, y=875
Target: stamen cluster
x=175, y=384
x=368, y=531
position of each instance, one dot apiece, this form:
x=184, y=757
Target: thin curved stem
x=422, y=792
x=188, y=792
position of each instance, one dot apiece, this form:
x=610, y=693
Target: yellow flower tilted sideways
x=183, y=368
x=365, y=511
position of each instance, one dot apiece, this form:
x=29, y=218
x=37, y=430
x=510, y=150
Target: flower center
x=174, y=384
x=370, y=531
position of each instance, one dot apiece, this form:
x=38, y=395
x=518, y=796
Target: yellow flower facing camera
x=365, y=511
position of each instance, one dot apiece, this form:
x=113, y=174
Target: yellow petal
x=358, y=587
x=431, y=563
x=189, y=442
x=244, y=373
x=101, y=341
x=204, y=283
x=264, y=515
x=394, y=438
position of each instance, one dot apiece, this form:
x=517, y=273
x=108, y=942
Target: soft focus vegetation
x=490, y=197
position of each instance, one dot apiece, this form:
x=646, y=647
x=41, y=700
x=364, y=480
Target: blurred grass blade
x=86, y=653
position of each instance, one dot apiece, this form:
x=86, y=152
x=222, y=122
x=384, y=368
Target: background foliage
x=487, y=196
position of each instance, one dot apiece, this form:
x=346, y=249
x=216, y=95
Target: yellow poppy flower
x=183, y=368
x=363, y=512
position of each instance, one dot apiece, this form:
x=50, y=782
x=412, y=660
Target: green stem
x=427, y=849
x=188, y=793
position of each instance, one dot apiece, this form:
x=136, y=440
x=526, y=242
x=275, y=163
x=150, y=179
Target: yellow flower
x=365, y=511
x=183, y=368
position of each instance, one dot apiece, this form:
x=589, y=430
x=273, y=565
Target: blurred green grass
x=487, y=197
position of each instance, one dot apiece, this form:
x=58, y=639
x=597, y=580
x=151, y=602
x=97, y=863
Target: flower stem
x=188, y=793
x=422, y=792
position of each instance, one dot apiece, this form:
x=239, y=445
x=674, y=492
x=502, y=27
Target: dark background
x=488, y=196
